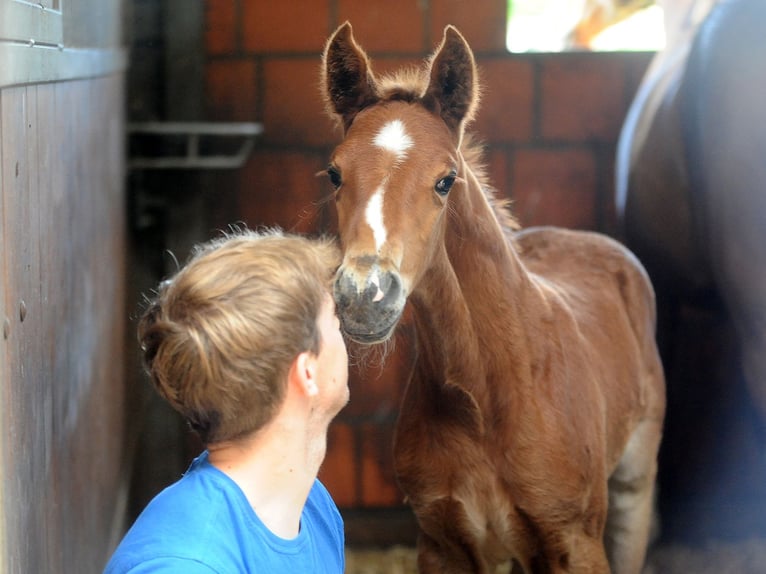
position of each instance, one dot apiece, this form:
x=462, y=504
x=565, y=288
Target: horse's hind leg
x=631, y=500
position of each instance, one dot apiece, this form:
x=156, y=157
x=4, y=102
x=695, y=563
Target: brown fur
x=530, y=428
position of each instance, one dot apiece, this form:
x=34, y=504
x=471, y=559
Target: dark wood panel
x=63, y=275
x=20, y=448
x=5, y=355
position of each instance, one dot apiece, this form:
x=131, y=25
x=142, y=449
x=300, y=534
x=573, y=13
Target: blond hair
x=219, y=338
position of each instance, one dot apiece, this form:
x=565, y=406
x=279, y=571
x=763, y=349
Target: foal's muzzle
x=369, y=300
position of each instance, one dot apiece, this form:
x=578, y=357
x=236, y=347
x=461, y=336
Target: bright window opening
x=589, y=25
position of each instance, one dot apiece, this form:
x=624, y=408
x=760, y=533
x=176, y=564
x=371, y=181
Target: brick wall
x=550, y=123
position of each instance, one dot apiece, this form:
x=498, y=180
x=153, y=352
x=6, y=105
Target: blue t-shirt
x=203, y=524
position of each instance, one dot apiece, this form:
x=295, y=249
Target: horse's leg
x=631, y=500
x=451, y=548
x=436, y=558
x=754, y=366
x=742, y=280
x=587, y=556
x=729, y=115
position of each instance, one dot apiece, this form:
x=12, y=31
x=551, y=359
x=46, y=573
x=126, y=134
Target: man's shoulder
x=320, y=500
x=189, y=522
x=127, y=564
x=201, y=494
x=326, y=524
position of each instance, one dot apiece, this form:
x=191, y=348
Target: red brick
x=281, y=188
x=555, y=187
x=497, y=171
x=293, y=109
x=506, y=110
x=339, y=469
x=379, y=375
x=385, y=25
x=220, y=26
x=608, y=209
x=583, y=97
x=482, y=22
x=230, y=90
x=379, y=486
x=330, y=214
x=297, y=26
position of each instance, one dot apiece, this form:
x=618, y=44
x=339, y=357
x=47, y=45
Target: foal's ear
x=453, y=86
x=347, y=80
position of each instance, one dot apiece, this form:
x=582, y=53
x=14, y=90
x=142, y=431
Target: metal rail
x=193, y=132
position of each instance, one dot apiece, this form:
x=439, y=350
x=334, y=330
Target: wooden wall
x=62, y=300
x=62, y=267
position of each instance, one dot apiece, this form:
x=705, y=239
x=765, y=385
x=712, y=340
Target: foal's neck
x=491, y=277
x=472, y=297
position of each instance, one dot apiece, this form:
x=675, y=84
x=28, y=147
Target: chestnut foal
x=529, y=431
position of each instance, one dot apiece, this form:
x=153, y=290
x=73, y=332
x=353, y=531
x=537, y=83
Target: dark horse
x=691, y=194
x=530, y=428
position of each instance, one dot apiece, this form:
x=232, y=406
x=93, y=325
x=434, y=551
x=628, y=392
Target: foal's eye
x=443, y=186
x=334, y=175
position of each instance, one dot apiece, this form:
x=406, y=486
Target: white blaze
x=373, y=214
x=391, y=137
x=394, y=138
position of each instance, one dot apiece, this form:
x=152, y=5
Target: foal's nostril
x=382, y=289
x=342, y=290
x=379, y=289
x=392, y=289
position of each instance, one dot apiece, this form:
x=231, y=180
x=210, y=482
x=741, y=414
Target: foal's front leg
x=446, y=544
x=587, y=556
x=440, y=559
x=570, y=550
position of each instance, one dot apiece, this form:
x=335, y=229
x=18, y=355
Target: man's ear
x=303, y=374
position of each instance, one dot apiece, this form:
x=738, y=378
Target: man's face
x=333, y=359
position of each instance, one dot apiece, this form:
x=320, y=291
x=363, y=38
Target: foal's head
x=393, y=173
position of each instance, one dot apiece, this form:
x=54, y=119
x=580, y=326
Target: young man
x=244, y=343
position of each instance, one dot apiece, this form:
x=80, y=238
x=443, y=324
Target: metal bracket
x=191, y=134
